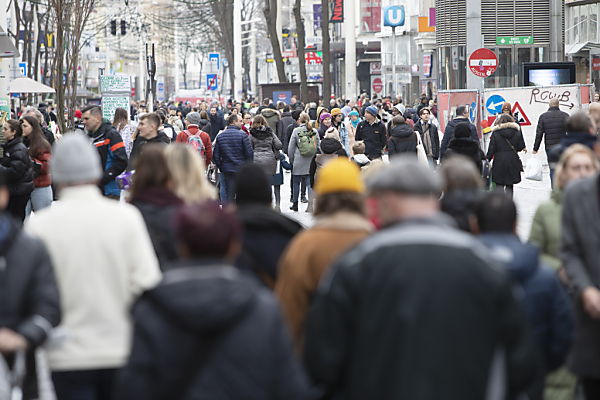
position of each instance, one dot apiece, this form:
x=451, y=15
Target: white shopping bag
x=533, y=169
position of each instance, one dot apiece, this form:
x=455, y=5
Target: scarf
x=351, y=113
x=427, y=140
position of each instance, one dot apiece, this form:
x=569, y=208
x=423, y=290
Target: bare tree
x=301, y=54
x=326, y=54
x=270, y=13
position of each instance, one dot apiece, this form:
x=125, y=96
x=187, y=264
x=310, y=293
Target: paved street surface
x=528, y=196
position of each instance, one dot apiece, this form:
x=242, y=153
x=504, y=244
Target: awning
x=28, y=85
x=577, y=47
x=7, y=48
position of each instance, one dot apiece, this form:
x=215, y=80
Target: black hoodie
x=468, y=148
x=208, y=310
x=326, y=147
x=402, y=140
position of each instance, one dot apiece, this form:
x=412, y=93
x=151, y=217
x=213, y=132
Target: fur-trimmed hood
x=507, y=125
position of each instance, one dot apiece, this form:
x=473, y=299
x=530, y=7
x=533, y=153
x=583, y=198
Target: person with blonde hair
x=188, y=174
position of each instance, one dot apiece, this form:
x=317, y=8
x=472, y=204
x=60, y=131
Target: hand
x=562, y=274
x=591, y=301
x=10, y=341
x=525, y=150
x=534, y=152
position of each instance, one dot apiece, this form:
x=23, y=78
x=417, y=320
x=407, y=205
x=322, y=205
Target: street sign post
x=23, y=68
x=211, y=82
x=483, y=62
x=393, y=16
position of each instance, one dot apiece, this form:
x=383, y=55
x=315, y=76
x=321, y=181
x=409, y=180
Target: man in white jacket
x=103, y=260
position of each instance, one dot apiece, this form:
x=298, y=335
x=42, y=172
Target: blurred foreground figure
x=30, y=303
x=209, y=331
x=103, y=259
x=418, y=311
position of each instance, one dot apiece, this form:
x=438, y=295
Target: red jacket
x=182, y=137
x=44, y=179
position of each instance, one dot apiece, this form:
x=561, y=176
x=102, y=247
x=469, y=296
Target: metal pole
x=253, y=60
x=142, y=74
x=237, y=50
x=350, y=58
x=4, y=65
x=395, y=82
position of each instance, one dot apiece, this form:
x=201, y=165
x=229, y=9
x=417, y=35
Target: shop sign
x=510, y=40
x=375, y=68
x=427, y=65
x=595, y=64
x=370, y=11
x=337, y=11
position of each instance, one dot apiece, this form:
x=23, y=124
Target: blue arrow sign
x=473, y=113
x=393, y=16
x=494, y=104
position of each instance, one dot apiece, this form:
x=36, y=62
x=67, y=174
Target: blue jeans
x=84, y=385
x=40, y=198
x=296, y=179
x=551, y=172
x=222, y=193
x=229, y=183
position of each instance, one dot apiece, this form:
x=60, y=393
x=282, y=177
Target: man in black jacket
x=109, y=144
x=551, y=123
x=427, y=325
x=30, y=305
x=462, y=117
x=147, y=133
x=372, y=132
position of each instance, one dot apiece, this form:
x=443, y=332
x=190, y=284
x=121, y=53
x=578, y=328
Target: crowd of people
x=166, y=270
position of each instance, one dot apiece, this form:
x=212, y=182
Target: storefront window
x=523, y=56
x=593, y=22
x=505, y=64
x=539, y=54
x=453, y=67
x=575, y=13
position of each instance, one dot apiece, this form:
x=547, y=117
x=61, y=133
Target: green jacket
x=545, y=229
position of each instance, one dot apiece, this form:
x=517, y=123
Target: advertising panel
x=370, y=11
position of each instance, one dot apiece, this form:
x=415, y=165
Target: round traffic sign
x=377, y=85
x=483, y=62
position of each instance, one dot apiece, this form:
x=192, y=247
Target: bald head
x=595, y=112
x=553, y=102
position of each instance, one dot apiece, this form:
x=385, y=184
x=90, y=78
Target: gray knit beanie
x=75, y=160
x=193, y=118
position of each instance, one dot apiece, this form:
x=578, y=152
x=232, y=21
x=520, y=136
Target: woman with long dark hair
x=121, y=122
x=40, y=152
x=16, y=166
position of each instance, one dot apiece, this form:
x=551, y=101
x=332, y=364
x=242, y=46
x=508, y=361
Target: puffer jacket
x=43, y=179
x=552, y=124
x=449, y=133
x=543, y=297
x=507, y=166
x=113, y=156
x=30, y=301
x=328, y=148
x=246, y=348
x=232, y=148
x=273, y=118
x=263, y=142
x=402, y=140
x=16, y=166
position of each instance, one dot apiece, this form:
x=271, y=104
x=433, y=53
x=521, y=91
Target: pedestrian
x=204, y=123
x=278, y=180
x=505, y=144
x=340, y=225
x=185, y=347
x=30, y=306
x=197, y=138
x=462, y=189
x=266, y=233
x=324, y=124
x=463, y=143
x=40, y=152
x=121, y=124
x=312, y=111
x=37, y=114
x=266, y=146
x=429, y=136
x=287, y=133
x=147, y=132
x=285, y=121
x=175, y=121
x=337, y=122
x=317, y=122
x=329, y=148
x=359, y=157
x=544, y=298
x=354, y=117
x=247, y=122
x=16, y=166
x=461, y=117
x=165, y=126
x=232, y=149
x=594, y=112
x=427, y=325
x=552, y=124
x=108, y=238
x=402, y=138
x=151, y=194
x=303, y=145
x=273, y=119
x=110, y=147
x=188, y=177
x=372, y=132
x=217, y=123
x=423, y=104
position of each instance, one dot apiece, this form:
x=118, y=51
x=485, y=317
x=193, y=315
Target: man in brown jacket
x=341, y=224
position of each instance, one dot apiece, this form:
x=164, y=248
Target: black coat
x=205, y=126
x=207, y=310
x=16, y=167
x=402, y=140
x=374, y=136
x=552, y=124
x=506, y=169
x=312, y=113
x=217, y=124
x=48, y=135
x=287, y=134
x=460, y=205
x=158, y=205
x=449, y=133
x=29, y=299
x=468, y=148
x=285, y=121
x=140, y=142
x=435, y=139
x=266, y=235
x=326, y=147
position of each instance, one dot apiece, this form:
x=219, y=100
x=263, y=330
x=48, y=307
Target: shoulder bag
x=518, y=158
x=421, y=154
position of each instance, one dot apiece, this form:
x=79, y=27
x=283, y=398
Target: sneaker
x=304, y=200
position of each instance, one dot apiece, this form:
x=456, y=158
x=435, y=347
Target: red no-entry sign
x=377, y=85
x=483, y=62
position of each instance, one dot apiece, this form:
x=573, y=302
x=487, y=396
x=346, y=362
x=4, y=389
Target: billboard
x=370, y=11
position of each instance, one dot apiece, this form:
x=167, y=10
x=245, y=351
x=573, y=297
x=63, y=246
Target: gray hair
x=405, y=174
x=38, y=113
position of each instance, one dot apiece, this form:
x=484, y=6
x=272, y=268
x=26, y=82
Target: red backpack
x=195, y=142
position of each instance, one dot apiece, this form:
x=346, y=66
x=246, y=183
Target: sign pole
x=394, y=84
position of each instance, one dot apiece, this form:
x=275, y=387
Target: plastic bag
x=533, y=169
